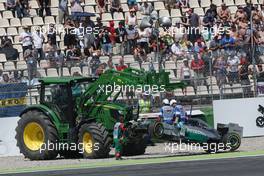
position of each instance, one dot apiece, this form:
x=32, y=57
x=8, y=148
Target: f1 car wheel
x=158, y=130
x=233, y=140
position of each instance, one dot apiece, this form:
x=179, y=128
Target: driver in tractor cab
x=119, y=137
x=167, y=112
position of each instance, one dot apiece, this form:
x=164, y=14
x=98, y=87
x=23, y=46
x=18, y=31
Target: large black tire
x=48, y=132
x=69, y=154
x=233, y=139
x=135, y=148
x=100, y=141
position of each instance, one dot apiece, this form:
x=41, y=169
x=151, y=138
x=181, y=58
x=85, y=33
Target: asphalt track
x=243, y=166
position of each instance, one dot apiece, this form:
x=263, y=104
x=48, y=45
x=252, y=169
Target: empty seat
x=12, y=31
x=54, y=11
x=175, y=13
x=76, y=70
x=2, y=32
x=170, y=65
x=49, y=20
x=4, y=23
x=89, y=9
x=33, y=4
x=26, y=22
x=33, y=12
x=18, y=47
x=104, y=58
x=229, y=2
x=38, y=21
x=190, y=90
x=54, y=3
x=21, y=65
x=217, y=2
x=9, y=66
x=86, y=71
x=205, y=3
x=193, y=3
x=52, y=72
x=90, y=2
x=44, y=64
x=65, y=71
x=2, y=58
x=125, y=7
x=106, y=17
x=159, y=6
x=135, y=65
x=199, y=11
x=118, y=16
x=2, y=7
x=8, y=15
x=164, y=13
x=42, y=73
x=240, y=2
x=15, y=22
x=202, y=90
x=129, y=59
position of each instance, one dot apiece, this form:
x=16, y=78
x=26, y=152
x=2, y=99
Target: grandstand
x=12, y=27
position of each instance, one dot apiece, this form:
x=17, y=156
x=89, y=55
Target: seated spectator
x=72, y=54
x=132, y=4
x=193, y=22
x=121, y=65
x=26, y=39
x=257, y=16
x=76, y=8
x=244, y=73
x=70, y=38
x=44, y=5
x=105, y=41
x=12, y=6
x=59, y=58
x=172, y=4
x=240, y=15
x=199, y=45
x=38, y=39
x=130, y=39
x=102, y=6
x=146, y=8
x=110, y=64
x=112, y=32
x=52, y=34
x=121, y=36
x=131, y=18
x=115, y=6
x=176, y=50
x=10, y=52
x=1, y=75
x=5, y=79
x=49, y=50
x=63, y=10
x=228, y=42
x=22, y=8
x=224, y=12
x=100, y=70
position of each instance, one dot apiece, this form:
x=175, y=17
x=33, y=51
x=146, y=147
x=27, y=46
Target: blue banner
x=12, y=99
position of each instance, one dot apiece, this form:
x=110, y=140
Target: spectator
x=1, y=75
x=199, y=45
x=22, y=8
x=110, y=64
x=38, y=39
x=52, y=34
x=76, y=8
x=106, y=42
x=63, y=10
x=72, y=54
x=69, y=38
x=221, y=73
x=228, y=42
x=59, y=58
x=224, y=12
x=95, y=62
x=176, y=50
x=233, y=63
x=97, y=30
x=10, y=52
x=112, y=32
x=132, y=4
x=130, y=39
x=89, y=22
x=26, y=39
x=185, y=74
x=197, y=65
x=248, y=8
x=44, y=5
x=143, y=38
x=140, y=55
x=121, y=37
x=121, y=65
x=5, y=79
x=146, y=8
x=244, y=73
x=131, y=18
x=31, y=64
x=102, y=6
x=100, y=70
x=115, y=6
x=12, y=6
x=89, y=43
x=240, y=15
x=194, y=23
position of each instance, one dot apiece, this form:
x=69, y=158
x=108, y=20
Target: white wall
x=7, y=136
x=241, y=111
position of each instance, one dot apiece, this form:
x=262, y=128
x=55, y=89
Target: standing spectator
x=97, y=30
x=49, y=50
x=146, y=8
x=10, y=52
x=11, y=5
x=197, y=65
x=63, y=10
x=132, y=3
x=220, y=67
x=102, y=6
x=244, y=73
x=31, y=64
x=233, y=63
x=95, y=62
x=140, y=55
x=52, y=34
x=44, y=5
x=76, y=8
x=22, y=8
x=131, y=18
x=115, y=6
x=112, y=32
x=121, y=38
x=26, y=39
x=186, y=74
x=194, y=23
x=143, y=38
x=59, y=58
x=130, y=39
x=106, y=42
x=176, y=50
x=121, y=65
x=199, y=45
x=70, y=38
x=38, y=39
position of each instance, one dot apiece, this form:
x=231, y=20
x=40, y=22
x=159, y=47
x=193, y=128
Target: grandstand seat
x=159, y=6
x=240, y=2
x=52, y=72
x=38, y=21
x=193, y=4
x=49, y=20
x=205, y=3
x=8, y=14
x=34, y=4
x=237, y=88
x=42, y=73
x=44, y=64
x=125, y=7
x=229, y=2
x=199, y=11
x=135, y=65
x=89, y=9
x=4, y=23
x=2, y=32
x=215, y=89
x=54, y=11
x=217, y=2
x=233, y=9
x=175, y=13
x=170, y=65
x=106, y=17
x=202, y=90
x=18, y=47
x=12, y=31
x=54, y=3
x=2, y=7
x=118, y=16
x=145, y=66
x=164, y=13
x=2, y=58
x=129, y=59
x=76, y=69
x=104, y=58
x=15, y=22
x=178, y=92
x=190, y=90
x=1, y=67
x=9, y=66
x=90, y=2
x=65, y=71
x=33, y=12
x=86, y=71
x=26, y=22
x=21, y=65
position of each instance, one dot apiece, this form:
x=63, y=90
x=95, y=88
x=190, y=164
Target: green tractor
x=76, y=116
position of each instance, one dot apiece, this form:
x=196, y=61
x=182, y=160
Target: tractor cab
x=61, y=95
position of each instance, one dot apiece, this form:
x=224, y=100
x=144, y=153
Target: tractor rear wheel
x=135, y=148
x=94, y=140
x=34, y=134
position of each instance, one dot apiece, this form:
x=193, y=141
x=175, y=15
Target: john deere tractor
x=76, y=117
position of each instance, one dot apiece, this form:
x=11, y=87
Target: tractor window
x=56, y=94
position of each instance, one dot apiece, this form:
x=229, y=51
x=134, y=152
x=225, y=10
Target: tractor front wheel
x=36, y=136
x=94, y=140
